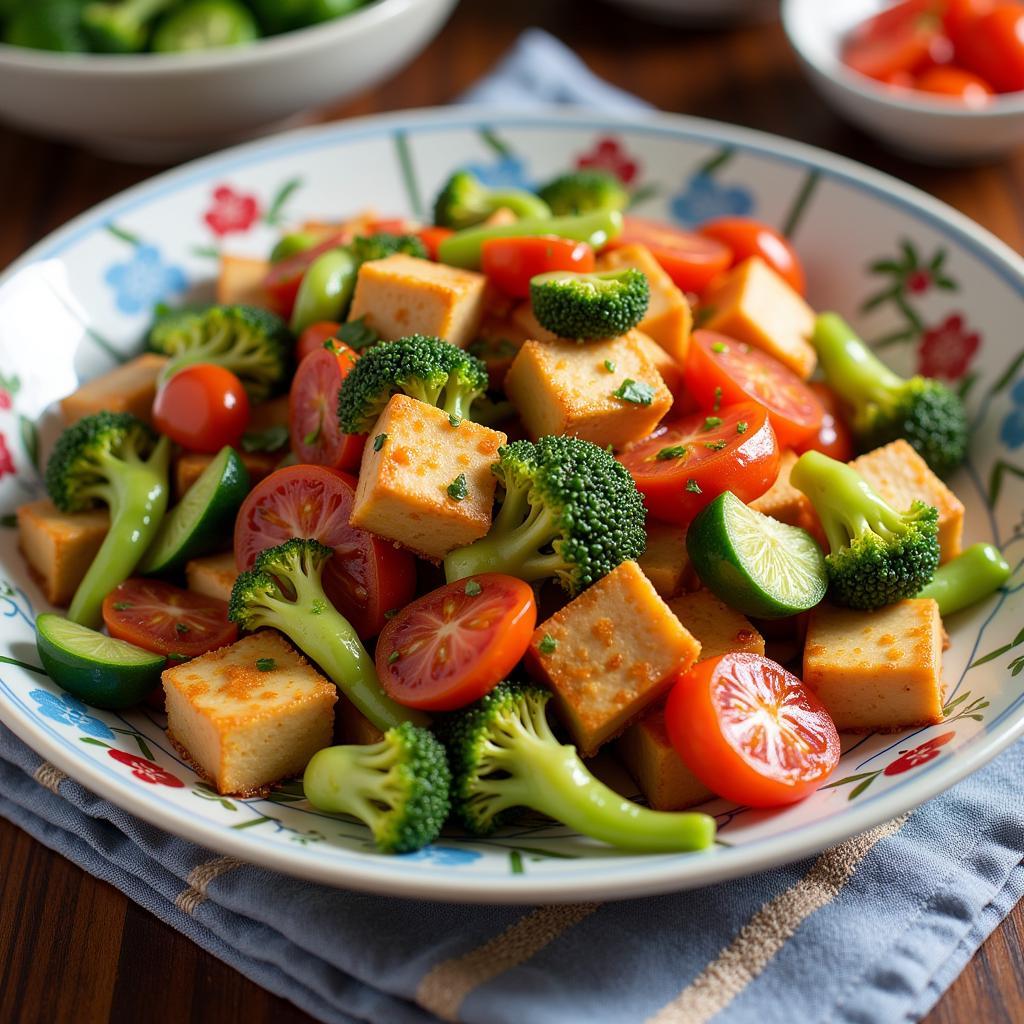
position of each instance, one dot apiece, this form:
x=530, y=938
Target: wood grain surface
x=73, y=948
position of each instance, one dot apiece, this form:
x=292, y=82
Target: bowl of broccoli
x=160, y=80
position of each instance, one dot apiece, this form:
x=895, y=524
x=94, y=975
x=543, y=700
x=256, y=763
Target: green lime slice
x=201, y=521
x=96, y=668
x=754, y=563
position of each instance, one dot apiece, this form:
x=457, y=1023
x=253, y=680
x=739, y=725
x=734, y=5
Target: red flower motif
x=6, y=461
x=231, y=211
x=947, y=349
x=5, y=399
x=147, y=771
x=608, y=155
x=922, y=754
x=919, y=281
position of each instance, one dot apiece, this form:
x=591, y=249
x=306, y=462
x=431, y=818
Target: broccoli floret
x=465, y=201
x=253, y=343
x=121, y=27
x=383, y=244
x=876, y=554
x=583, y=191
x=110, y=459
x=975, y=573
x=885, y=406
x=585, y=306
x=284, y=591
x=397, y=787
x=570, y=511
x=429, y=369
x=504, y=756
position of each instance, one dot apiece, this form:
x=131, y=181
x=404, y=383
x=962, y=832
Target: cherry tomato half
x=686, y=464
x=158, y=617
x=747, y=237
x=313, y=338
x=202, y=407
x=751, y=731
x=960, y=15
x=432, y=237
x=993, y=47
x=691, y=260
x=956, y=84
x=453, y=645
x=834, y=437
x=367, y=576
x=509, y=263
x=736, y=372
x=283, y=279
x=900, y=38
x=316, y=436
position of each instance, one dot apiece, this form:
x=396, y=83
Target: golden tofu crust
x=719, y=628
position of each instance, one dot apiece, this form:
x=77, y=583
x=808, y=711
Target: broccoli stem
x=511, y=547
x=351, y=780
x=329, y=639
x=850, y=367
x=558, y=784
x=136, y=493
x=970, y=577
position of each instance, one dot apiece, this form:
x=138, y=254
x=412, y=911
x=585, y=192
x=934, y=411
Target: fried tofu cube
x=272, y=413
x=240, y=281
x=212, y=575
x=878, y=670
x=189, y=466
x=669, y=318
x=409, y=483
x=665, y=561
x=719, y=628
x=663, y=778
x=250, y=714
x=670, y=370
x=59, y=547
x=403, y=295
x=782, y=500
x=352, y=726
x=130, y=387
x=752, y=303
x=901, y=476
x=523, y=318
x=609, y=654
x=497, y=343
x=564, y=387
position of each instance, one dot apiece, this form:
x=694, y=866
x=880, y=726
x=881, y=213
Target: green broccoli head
x=253, y=343
x=876, y=554
x=465, y=201
x=926, y=413
x=398, y=787
x=590, y=306
x=584, y=191
x=383, y=244
x=429, y=369
x=570, y=511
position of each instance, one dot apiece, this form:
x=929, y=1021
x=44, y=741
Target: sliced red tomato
x=686, y=464
x=509, y=263
x=366, y=578
x=747, y=237
x=993, y=47
x=314, y=337
x=751, y=731
x=954, y=83
x=158, y=617
x=960, y=15
x=203, y=408
x=728, y=371
x=316, y=436
x=432, y=237
x=834, y=437
x=900, y=38
x=691, y=260
x=453, y=645
x=283, y=279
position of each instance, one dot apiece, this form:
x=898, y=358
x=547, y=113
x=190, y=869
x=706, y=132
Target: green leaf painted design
x=29, y=433
x=275, y=211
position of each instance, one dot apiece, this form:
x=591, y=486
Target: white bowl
x=163, y=107
x=702, y=12
x=916, y=124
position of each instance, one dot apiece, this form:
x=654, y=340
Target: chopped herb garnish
x=181, y=629
x=393, y=657
x=675, y=451
x=742, y=427
x=473, y=589
x=314, y=435
x=454, y=420
x=270, y=440
x=693, y=487
x=319, y=606
x=702, y=316
x=710, y=422
x=390, y=613
x=458, y=488
x=715, y=446
x=719, y=346
x=122, y=606
x=378, y=442
x=357, y=334
x=175, y=656
x=718, y=400
x=635, y=391
x=609, y=365
x=266, y=664
x=547, y=644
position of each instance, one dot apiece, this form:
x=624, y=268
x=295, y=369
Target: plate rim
x=683, y=872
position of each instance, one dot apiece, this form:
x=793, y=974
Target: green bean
x=325, y=290
x=292, y=244
x=970, y=577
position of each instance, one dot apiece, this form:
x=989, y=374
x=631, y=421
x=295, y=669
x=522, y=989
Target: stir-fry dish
x=432, y=514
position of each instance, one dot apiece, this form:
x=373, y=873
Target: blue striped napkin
x=872, y=930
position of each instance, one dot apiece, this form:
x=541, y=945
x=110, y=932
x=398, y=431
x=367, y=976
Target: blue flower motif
x=507, y=171
x=1012, y=431
x=704, y=199
x=445, y=856
x=69, y=711
x=144, y=280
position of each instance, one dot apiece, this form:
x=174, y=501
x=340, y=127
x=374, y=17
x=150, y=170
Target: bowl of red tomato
x=939, y=80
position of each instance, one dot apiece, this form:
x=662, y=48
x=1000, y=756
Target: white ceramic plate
x=934, y=289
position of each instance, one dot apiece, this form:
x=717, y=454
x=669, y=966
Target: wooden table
x=73, y=948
